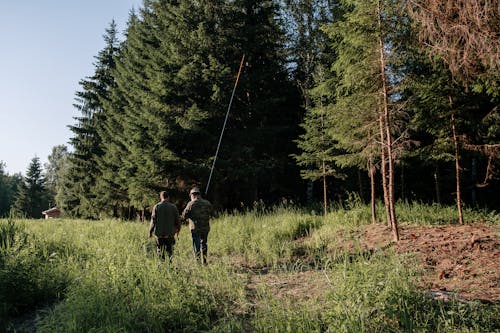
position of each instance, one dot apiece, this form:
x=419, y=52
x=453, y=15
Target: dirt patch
x=463, y=259
x=460, y=261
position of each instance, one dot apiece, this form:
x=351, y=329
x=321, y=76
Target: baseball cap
x=195, y=190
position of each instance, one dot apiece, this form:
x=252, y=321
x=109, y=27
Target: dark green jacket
x=165, y=220
x=198, y=211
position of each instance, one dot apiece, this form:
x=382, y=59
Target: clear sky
x=46, y=48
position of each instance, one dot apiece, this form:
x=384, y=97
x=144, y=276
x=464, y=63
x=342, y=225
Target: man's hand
x=150, y=234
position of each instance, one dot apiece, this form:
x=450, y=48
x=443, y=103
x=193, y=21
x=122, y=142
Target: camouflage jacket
x=198, y=212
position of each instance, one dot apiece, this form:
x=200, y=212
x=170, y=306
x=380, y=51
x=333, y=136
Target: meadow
x=275, y=270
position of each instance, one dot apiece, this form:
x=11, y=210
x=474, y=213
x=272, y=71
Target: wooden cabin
x=52, y=213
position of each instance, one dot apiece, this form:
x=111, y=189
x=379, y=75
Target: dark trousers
x=165, y=245
x=200, y=247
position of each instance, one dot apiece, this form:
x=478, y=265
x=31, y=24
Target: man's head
x=163, y=195
x=195, y=192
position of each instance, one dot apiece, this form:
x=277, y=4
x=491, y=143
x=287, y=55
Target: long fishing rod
x=225, y=121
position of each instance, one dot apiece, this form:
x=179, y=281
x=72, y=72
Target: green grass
x=421, y=214
x=103, y=276
x=261, y=239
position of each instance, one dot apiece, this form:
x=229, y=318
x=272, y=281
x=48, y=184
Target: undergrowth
x=103, y=276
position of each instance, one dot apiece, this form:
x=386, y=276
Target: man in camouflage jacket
x=198, y=212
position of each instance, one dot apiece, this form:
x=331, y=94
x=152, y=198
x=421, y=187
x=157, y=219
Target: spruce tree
x=175, y=75
x=81, y=199
x=364, y=114
x=310, y=56
x=262, y=130
x=452, y=124
x=57, y=161
x=32, y=197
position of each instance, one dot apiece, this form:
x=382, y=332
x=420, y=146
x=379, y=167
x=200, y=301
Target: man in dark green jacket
x=165, y=223
x=198, y=211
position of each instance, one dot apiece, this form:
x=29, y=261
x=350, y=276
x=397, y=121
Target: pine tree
x=80, y=198
x=57, y=161
x=451, y=122
x=364, y=115
x=466, y=56
x=175, y=76
x=309, y=55
x=32, y=197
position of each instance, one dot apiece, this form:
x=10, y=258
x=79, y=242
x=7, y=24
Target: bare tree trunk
x=457, y=163
x=402, y=184
x=324, y=188
x=323, y=161
x=371, y=170
x=387, y=123
x=383, y=172
x=436, y=184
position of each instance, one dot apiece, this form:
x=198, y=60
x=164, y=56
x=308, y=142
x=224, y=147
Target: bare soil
x=459, y=261
x=462, y=259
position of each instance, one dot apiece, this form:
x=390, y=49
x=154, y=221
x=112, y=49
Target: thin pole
x=225, y=121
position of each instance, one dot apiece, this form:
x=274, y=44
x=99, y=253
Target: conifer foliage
x=32, y=197
x=153, y=112
x=328, y=89
x=8, y=190
x=77, y=196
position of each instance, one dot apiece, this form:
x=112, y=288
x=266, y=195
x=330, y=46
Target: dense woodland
x=379, y=99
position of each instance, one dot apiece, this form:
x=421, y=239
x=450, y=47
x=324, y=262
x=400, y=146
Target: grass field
x=274, y=271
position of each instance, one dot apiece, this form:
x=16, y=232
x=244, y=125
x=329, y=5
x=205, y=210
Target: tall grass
x=121, y=286
x=31, y=272
x=103, y=276
x=373, y=294
x=435, y=214
x=262, y=239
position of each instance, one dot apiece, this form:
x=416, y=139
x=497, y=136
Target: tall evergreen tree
x=451, y=123
x=268, y=107
x=57, y=161
x=4, y=191
x=310, y=56
x=365, y=111
x=32, y=197
x=83, y=171
x=175, y=76
x=307, y=42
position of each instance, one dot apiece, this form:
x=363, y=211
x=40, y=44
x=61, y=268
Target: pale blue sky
x=46, y=48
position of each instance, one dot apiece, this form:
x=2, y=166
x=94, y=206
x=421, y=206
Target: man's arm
x=186, y=213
